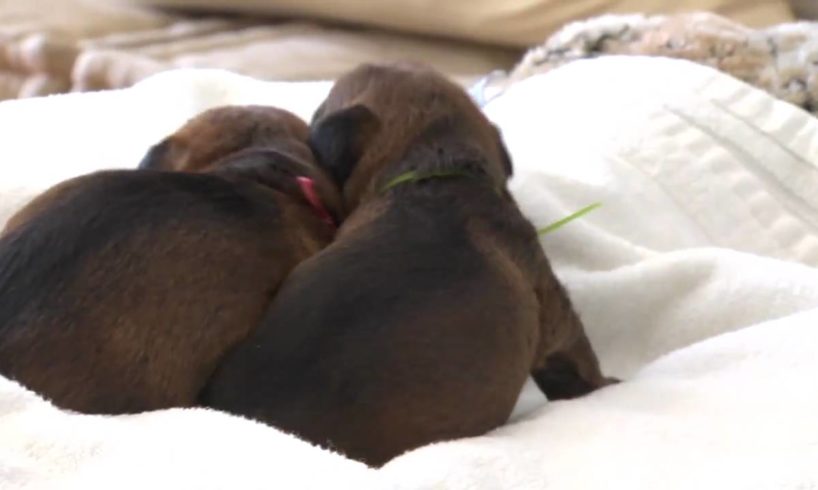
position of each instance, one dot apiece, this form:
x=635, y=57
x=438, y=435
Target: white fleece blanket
x=695, y=279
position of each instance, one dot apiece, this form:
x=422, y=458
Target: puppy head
x=377, y=114
x=205, y=141
x=263, y=144
x=301, y=179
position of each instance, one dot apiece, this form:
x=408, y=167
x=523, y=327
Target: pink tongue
x=307, y=186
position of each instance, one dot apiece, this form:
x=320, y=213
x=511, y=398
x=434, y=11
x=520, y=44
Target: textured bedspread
x=783, y=60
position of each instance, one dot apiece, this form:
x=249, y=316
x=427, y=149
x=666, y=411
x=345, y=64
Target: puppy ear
x=157, y=156
x=504, y=155
x=319, y=113
x=340, y=138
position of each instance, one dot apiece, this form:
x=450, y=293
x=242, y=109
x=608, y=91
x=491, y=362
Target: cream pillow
x=519, y=23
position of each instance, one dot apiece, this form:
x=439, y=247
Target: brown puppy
x=120, y=291
x=424, y=318
x=204, y=141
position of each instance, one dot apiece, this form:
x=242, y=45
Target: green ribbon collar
x=571, y=217
x=415, y=176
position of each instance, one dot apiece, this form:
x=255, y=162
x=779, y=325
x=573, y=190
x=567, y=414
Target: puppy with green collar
x=423, y=319
x=120, y=291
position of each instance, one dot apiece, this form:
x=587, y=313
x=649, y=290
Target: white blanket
x=695, y=279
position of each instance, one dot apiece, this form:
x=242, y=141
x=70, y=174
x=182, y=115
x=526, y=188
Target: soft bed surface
x=695, y=280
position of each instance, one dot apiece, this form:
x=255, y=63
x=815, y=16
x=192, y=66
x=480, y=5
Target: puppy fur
x=422, y=321
x=120, y=291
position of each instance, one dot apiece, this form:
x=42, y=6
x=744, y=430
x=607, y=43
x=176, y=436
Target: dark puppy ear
x=157, y=156
x=319, y=113
x=504, y=156
x=339, y=139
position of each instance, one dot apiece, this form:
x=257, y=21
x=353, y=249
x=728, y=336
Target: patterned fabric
x=782, y=60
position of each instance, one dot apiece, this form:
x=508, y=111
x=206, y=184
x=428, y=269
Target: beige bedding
x=515, y=23
x=53, y=46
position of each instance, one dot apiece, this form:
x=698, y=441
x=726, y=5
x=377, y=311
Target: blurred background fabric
x=513, y=23
x=807, y=9
x=55, y=46
x=781, y=59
